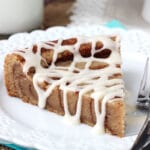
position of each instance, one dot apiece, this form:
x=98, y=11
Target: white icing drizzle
x=96, y=81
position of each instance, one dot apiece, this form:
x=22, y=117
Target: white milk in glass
x=146, y=10
x=20, y=15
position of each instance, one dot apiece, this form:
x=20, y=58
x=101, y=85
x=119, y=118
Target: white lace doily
x=131, y=41
x=129, y=12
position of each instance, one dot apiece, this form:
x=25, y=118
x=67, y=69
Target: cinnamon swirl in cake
x=79, y=78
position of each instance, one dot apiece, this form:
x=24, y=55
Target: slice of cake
x=79, y=78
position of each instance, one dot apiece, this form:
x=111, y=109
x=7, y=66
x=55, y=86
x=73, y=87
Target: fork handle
x=143, y=139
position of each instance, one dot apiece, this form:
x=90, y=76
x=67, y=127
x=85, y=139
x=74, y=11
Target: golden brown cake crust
x=20, y=85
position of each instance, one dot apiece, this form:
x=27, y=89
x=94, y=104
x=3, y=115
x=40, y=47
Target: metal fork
x=142, y=141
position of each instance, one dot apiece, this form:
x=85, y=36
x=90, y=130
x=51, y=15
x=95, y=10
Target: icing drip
x=85, y=80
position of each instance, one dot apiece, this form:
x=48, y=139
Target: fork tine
x=142, y=90
x=143, y=95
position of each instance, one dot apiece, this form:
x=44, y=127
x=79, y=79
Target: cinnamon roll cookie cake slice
x=79, y=78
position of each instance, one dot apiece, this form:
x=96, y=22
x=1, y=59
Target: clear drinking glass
x=20, y=15
x=146, y=10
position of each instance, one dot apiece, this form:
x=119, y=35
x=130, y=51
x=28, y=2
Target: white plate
x=30, y=126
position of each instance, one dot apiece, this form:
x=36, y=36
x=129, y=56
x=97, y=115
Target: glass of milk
x=20, y=15
x=146, y=10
